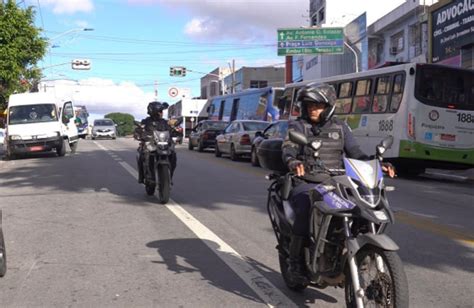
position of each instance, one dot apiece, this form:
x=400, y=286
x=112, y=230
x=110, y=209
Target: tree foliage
x=20, y=49
x=124, y=122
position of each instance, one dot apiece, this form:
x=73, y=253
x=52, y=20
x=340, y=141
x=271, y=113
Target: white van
x=39, y=122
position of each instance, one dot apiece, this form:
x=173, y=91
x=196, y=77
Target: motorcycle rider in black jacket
x=317, y=103
x=154, y=122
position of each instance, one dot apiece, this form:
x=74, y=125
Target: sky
x=134, y=43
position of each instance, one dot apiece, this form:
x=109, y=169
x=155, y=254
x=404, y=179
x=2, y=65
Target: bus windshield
x=445, y=87
x=32, y=114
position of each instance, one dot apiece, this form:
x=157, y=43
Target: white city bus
x=427, y=108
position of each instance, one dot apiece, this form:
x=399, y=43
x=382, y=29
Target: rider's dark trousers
x=300, y=200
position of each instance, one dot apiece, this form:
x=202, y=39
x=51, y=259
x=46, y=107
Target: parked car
x=204, y=134
x=237, y=138
x=104, y=128
x=276, y=130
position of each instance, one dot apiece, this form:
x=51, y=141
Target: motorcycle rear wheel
x=381, y=289
x=164, y=179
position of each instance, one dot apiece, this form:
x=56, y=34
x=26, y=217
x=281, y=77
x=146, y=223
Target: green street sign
x=310, y=41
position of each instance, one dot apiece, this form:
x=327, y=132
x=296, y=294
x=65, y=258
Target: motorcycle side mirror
x=297, y=138
x=165, y=105
x=259, y=134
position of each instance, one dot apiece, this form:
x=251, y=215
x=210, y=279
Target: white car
x=237, y=138
x=104, y=128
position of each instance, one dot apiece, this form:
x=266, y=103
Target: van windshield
x=32, y=114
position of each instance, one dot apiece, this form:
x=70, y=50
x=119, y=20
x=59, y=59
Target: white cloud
x=69, y=6
x=257, y=21
x=102, y=96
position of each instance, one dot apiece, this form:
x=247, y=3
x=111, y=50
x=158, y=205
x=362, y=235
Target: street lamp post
x=355, y=55
x=50, y=41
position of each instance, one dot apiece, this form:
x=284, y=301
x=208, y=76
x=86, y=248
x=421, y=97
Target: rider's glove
x=389, y=169
x=293, y=163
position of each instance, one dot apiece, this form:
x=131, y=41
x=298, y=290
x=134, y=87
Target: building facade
x=399, y=36
x=211, y=83
x=451, y=37
x=254, y=77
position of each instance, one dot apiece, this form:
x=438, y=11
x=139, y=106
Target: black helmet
x=317, y=93
x=156, y=108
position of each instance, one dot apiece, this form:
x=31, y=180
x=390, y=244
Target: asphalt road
x=80, y=231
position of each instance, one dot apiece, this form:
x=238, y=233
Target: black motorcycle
x=347, y=246
x=157, y=168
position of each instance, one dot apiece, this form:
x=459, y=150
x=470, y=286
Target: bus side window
x=397, y=92
x=362, y=96
x=381, y=97
x=344, y=98
x=221, y=111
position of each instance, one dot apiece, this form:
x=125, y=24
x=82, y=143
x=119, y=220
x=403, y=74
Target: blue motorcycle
x=347, y=246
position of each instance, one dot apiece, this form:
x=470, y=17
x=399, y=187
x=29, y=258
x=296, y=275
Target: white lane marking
x=267, y=292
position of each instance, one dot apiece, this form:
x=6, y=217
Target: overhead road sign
x=310, y=41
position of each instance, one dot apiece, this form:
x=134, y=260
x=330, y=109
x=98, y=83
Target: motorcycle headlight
x=150, y=147
x=162, y=136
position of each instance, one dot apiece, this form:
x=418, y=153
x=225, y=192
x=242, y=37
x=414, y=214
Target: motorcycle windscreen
x=368, y=173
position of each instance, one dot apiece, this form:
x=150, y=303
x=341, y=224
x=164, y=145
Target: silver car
x=104, y=128
x=237, y=138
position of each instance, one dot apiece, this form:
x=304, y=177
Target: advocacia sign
x=452, y=28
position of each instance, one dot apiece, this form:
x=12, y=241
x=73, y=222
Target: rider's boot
x=296, y=268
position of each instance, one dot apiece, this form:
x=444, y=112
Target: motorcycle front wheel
x=298, y=287
x=384, y=284
x=150, y=189
x=164, y=179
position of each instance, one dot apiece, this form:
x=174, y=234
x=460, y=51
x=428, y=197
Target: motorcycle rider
x=154, y=122
x=317, y=105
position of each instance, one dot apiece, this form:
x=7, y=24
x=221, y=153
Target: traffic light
x=178, y=71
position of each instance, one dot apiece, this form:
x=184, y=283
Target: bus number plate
x=385, y=125
x=465, y=118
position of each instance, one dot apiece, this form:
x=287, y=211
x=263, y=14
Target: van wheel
x=73, y=146
x=61, y=150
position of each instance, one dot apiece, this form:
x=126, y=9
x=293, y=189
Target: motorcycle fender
x=378, y=240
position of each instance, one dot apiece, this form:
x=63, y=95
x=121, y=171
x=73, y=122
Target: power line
x=171, y=43
x=157, y=53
